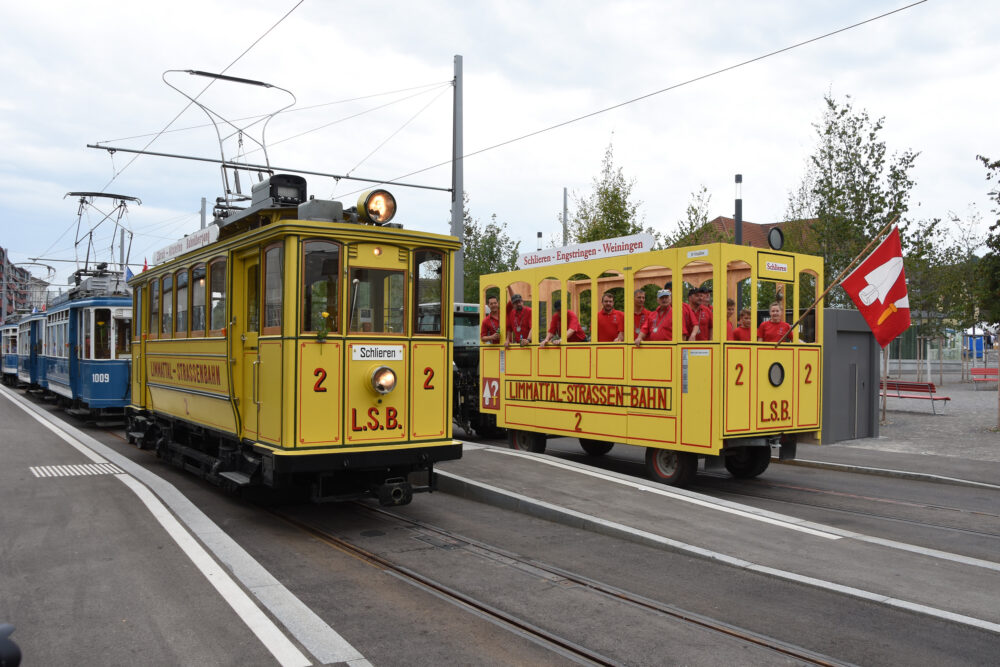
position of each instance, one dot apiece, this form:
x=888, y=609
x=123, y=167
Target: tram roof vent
x=321, y=210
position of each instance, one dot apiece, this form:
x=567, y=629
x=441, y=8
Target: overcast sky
x=77, y=73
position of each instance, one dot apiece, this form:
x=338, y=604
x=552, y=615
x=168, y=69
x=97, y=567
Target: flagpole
x=885, y=376
x=836, y=281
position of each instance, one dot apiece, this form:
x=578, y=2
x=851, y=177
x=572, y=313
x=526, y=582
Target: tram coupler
x=395, y=491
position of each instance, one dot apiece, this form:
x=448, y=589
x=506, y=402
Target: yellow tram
x=298, y=344
x=725, y=395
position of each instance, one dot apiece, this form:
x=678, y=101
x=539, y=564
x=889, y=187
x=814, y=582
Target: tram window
x=102, y=333
x=253, y=298
x=807, y=294
x=137, y=307
x=167, y=319
x=181, y=320
x=377, y=301
x=86, y=317
x=320, y=286
x=273, y=271
x=648, y=282
x=520, y=321
x=579, y=293
x=428, y=291
x=123, y=338
x=154, y=308
x=217, y=289
x=198, y=300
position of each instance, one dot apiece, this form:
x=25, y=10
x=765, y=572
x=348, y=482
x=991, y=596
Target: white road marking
x=611, y=528
x=791, y=523
x=325, y=644
x=77, y=470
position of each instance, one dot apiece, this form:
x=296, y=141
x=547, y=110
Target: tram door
x=245, y=330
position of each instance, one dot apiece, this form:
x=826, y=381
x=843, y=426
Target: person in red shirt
x=610, y=322
x=689, y=313
x=772, y=330
x=574, y=333
x=659, y=325
x=518, y=321
x=489, y=330
x=743, y=331
x=641, y=312
x=704, y=313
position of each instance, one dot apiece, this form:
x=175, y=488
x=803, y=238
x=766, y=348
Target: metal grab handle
x=256, y=377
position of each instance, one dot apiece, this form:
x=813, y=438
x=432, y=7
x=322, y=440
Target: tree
x=694, y=228
x=852, y=188
x=488, y=249
x=609, y=211
x=988, y=269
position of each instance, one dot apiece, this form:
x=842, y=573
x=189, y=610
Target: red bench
x=921, y=390
x=983, y=375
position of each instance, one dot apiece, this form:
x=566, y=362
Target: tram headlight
x=383, y=380
x=776, y=374
x=376, y=206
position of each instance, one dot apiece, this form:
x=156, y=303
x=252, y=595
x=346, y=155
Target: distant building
x=755, y=234
x=16, y=288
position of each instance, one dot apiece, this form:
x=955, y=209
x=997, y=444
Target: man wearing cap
x=610, y=322
x=489, y=330
x=659, y=325
x=704, y=313
x=574, y=334
x=641, y=312
x=518, y=321
x=689, y=313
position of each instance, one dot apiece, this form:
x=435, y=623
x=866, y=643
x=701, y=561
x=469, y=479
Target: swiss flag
x=878, y=289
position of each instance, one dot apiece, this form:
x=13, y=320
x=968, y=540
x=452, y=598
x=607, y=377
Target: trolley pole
x=458, y=185
x=738, y=215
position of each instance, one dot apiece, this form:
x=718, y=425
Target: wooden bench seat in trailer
x=919, y=390
x=980, y=375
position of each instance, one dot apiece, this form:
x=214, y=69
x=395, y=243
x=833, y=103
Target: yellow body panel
x=189, y=379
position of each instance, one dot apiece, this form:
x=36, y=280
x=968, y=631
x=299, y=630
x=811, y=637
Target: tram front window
x=377, y=301
x=102, y=333
x=123, y=338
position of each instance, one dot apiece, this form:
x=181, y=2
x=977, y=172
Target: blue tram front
x=30, y=339
x=8, y=346
x=88, y=347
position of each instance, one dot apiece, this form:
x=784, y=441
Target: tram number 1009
x=102, y=378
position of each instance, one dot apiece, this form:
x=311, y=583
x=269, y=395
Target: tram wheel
x=747, y=462
x=596, y=447
x=526, y=441
x=671, y=467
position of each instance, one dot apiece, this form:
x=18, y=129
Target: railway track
x=526, y=628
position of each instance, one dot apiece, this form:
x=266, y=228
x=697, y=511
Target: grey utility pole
x=204, y=211
x=458, y=186
x=565, y=223
x=738, y=216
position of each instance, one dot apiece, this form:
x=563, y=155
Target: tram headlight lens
x=377, y=206
x=383, y=379
x=776, y=374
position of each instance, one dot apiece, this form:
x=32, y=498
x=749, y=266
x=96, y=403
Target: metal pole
x=738, y=215
x=204, y=205
x=565, y=220
x=121, y=250
x=458, y=185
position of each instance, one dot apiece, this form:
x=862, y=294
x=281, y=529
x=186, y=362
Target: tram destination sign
x=198, y=239
x=623, y=245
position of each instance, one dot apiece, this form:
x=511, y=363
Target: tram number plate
x=100, y=377
x=491, y=393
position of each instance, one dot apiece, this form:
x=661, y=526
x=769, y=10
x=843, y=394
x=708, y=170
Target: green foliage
x=609, y=211
x=488, y=249
x=694, y=228
x=852, y=188
x=988, y=269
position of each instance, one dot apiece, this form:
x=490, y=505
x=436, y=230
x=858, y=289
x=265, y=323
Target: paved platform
x=958, y=445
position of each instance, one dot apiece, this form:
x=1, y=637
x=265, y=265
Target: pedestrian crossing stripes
x=77, y=470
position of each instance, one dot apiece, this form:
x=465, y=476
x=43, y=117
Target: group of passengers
x=648, y=325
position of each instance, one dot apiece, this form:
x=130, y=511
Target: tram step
x=237, y=478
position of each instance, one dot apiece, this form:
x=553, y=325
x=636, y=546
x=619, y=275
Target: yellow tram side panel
x=189, y=379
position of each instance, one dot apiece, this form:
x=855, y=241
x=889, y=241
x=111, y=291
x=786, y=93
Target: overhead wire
x=187, y=106
x=658, y=92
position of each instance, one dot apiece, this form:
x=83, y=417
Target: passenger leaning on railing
x=574, y=333
x=659, y=325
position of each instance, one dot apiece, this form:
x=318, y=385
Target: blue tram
x=8, y=350
x=87, y=351
x=30, y=339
